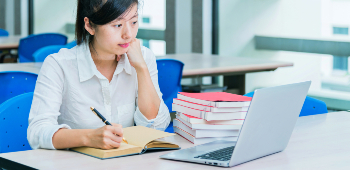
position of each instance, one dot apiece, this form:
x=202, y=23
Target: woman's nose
x=126, y=32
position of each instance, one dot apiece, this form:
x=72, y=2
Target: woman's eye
x=134, y=22
x=118, y=25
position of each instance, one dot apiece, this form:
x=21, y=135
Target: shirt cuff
x=161, y=122
x=47, y=135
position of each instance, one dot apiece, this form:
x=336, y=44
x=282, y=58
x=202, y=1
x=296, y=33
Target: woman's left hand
x=135, y=55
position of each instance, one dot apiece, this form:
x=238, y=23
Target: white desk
x=10, y=42
x=317, y=142
x=232, y=68
x=209, y=65
x=27, y=67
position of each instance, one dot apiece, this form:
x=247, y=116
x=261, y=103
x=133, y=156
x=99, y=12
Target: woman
x=108, y=70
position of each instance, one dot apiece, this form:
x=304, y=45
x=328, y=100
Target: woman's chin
x=118, y=53
x=122, y=51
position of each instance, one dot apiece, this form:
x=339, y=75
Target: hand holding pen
x=104, y=120
x=106, y=137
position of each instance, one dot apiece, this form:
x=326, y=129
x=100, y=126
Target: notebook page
x=141, y=136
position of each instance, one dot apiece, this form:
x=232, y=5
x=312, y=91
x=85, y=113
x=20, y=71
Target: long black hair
x=99, y=12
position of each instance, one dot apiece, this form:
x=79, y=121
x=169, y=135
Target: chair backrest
x=3, y=33
x=14, y=83
x=14, y=115
x=40, y=54
x=71, y=44
x=311, y=106
x=169, y=79
x=27, y=46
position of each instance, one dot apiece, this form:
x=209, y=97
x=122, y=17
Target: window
x=145, y=43
x=146, y=20
x=341, y=30
x=152, y=26
x=340, y=63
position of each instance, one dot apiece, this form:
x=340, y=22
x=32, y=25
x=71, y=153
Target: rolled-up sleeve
x=46, y=104
x=162, y=120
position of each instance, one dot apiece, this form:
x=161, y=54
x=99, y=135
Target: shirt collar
x=87, y=68
x=123, y=63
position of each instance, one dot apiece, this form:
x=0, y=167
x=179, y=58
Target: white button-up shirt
x=69, y=84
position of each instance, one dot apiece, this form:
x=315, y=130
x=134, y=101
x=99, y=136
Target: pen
x=104, y=120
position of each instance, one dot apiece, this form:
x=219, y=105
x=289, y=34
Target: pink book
x=209, y=108
x=199, y=141
x=216, y=99
x=209, y=116
x=196, y=120
x=204, y=133
x=209, y=126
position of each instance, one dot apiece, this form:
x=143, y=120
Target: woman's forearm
x=69, y=138
x=148, y=99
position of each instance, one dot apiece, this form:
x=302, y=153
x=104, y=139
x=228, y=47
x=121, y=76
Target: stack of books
x=206, y=117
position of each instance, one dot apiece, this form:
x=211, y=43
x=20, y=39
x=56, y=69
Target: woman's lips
x=126, y=45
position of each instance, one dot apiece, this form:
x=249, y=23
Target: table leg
x=235, y=82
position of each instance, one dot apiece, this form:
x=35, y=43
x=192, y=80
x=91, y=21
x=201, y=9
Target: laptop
x=266, y=130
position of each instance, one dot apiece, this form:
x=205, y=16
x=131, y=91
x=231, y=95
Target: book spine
x=209, y=116
x=212, y=122
x=184, y=134
x=192, y=120
x=192, y=105
x=209, y=126
x=225, y=116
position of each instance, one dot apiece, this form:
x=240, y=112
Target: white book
x=209, y=116
x=196, y=120
x=214, y=103
x=209, y=126
x=209, y=108
x=194, y=140
x=204, y=133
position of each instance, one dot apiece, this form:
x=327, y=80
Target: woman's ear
x=88, y=26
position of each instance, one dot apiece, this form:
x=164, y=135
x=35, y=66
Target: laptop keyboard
x=220, y=155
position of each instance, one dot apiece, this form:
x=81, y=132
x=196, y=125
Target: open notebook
x=140, y=139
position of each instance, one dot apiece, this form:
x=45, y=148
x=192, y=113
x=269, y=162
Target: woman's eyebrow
x=121, y=18
x=136, y=15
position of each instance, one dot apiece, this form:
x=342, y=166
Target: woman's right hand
x=106, y=137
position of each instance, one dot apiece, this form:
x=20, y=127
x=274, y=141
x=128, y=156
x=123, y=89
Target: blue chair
x=169, y=79
x=14, y=115
x=42, y=53
x=71, y=44
x=27, y=46
x=3, y=33
x=14, y=83
x=311, y=106
x=170, y=128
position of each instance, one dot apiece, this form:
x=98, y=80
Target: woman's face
x=114, y=37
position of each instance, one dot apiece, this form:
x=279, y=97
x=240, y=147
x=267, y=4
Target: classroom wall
x=240, y=20
x=52, y=16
